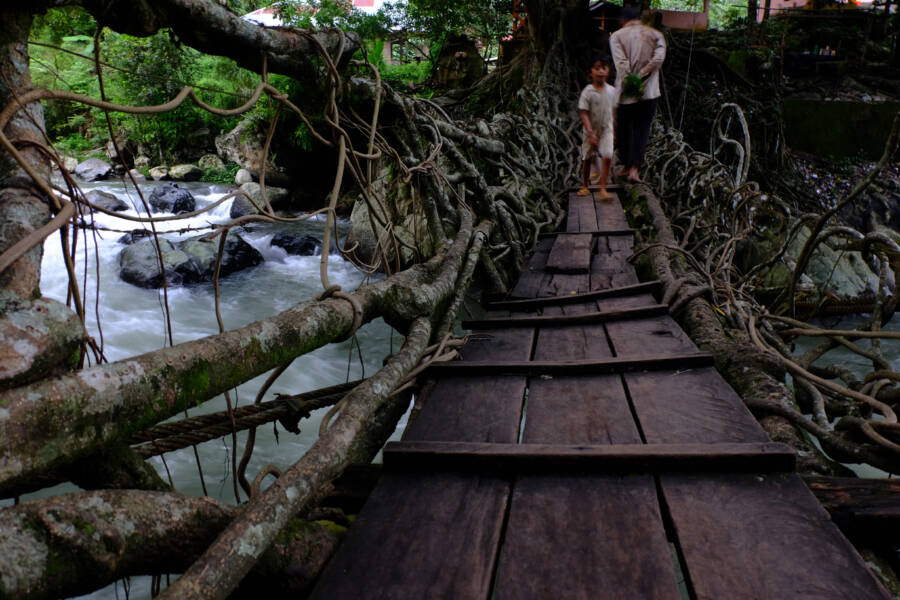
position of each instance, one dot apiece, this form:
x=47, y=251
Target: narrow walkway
x=585, y=448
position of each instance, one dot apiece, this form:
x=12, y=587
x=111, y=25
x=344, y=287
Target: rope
x=168, y=437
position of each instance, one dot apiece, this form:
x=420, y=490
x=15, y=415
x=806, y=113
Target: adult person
x=638, y=53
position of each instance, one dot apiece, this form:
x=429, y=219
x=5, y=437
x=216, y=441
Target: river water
x=132, y=323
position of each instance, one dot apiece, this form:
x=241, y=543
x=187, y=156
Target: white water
x=133, y=323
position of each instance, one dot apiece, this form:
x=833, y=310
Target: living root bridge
x=48, y=425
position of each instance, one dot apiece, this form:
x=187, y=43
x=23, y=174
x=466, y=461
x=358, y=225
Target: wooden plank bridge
x=585, y=448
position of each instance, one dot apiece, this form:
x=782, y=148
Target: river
x=132, y=322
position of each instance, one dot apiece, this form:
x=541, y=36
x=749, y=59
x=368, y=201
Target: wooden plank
x=867, y=510
x=639, y=312
x=571, y=253
x=560, y=284
x=757, y=537
x=421, y=535
x=577, y=367
x=691, y=406
x=585, y=410
x=623, y=233
x=532, y=303
x=588, y=458
x=486, y=409
x=617, y=548
x=582, y=217
x=662, y=334
x=533, y=277
x=610, y=214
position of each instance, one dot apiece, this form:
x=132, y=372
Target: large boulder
x=297, y=243
x=137, y=175
x=242, y=205
x=186, y=262
x=125, y=155
x=168, y=197
x=141, y=162
x=106, y=200
x=243, y=176
x=185, y=172
x=159, y=172
x=242, y=145
x=844, y=274
x=210, y=161
x=93, y=169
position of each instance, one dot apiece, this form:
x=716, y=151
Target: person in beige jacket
x=638, y=53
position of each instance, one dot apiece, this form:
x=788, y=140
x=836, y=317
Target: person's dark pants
x=633, y=131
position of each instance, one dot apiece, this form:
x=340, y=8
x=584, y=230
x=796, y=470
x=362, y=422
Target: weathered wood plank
x=588, y=458
x=865, y=509
x=532, y=303
x=582, y=217
x=421, y=535
x=609, y=214
x=662, y=334
x=481, y=409
x=691, y=406
x=571, y=253
x=639, y=312
x=757, y=537
x=621, y=233
x=578, y=367
x=588, y=410
x=585, y=538
x=533, y=276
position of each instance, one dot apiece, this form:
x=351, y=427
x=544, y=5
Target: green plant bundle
x=633, y=86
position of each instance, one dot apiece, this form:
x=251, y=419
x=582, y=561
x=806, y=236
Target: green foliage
x=400, y=76
x=722, y=13
x=484, y=20
x=74, y=144
x=136, y=71
x=224, y=176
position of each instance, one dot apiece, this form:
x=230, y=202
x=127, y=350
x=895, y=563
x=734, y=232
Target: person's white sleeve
x=659, y=56
x=583, y=102
x=619, y=59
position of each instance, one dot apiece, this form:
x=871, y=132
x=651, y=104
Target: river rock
x=126, y=154
x=243, y=176
x=842, y=274
x=186, y=262
x=242, y=145
x=137, y=175
x=159, y=173
x=70, y=163
x=141, y=162
x=243, y=206
x=297, y=244
x=168, y=197
x=185, y=172
x=93, y=169
x=135, y=235
x=210, y=161
x=106, y=200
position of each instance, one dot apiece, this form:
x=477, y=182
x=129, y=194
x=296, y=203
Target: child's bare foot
x=583, y=192
x=603, y=195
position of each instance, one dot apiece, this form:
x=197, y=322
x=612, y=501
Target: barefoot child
x=595, y=105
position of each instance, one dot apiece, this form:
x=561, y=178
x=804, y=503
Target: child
x=595, y=105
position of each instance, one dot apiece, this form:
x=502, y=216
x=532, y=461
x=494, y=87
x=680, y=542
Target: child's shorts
x=604, y=148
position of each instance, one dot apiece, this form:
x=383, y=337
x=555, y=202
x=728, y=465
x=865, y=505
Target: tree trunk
x=76, y=543
x=38, y=337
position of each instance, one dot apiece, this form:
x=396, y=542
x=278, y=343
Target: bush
x=224, y=176
x=400, y=76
